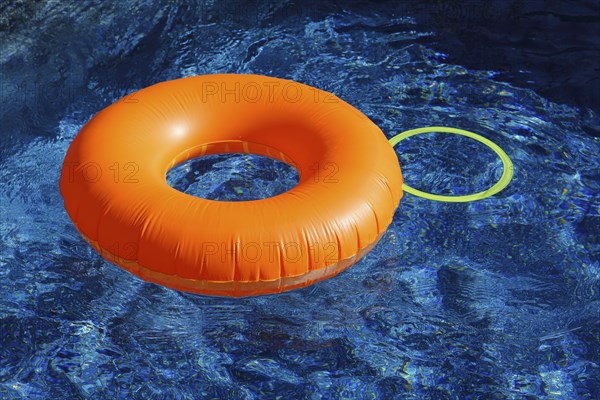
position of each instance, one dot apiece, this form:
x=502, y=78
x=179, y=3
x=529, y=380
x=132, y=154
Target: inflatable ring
x=113, y=182
x=504, y=180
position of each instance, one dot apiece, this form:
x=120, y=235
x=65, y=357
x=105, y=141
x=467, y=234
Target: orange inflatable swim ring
x=113, y=182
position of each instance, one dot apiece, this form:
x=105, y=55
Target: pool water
x=492, y=299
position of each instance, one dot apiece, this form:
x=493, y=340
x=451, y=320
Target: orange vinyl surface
x=115, y=191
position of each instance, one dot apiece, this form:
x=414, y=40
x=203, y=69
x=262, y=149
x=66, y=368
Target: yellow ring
x=504, y=180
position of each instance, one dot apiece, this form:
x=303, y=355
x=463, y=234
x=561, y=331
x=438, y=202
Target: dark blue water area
x=495, y=299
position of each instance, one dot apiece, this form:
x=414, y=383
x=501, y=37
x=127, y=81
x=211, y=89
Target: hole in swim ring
x=445, y=164
x=233, y=177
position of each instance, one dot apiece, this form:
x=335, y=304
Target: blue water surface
x=496, y=299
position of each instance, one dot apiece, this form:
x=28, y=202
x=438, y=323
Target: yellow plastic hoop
x=504, y=180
